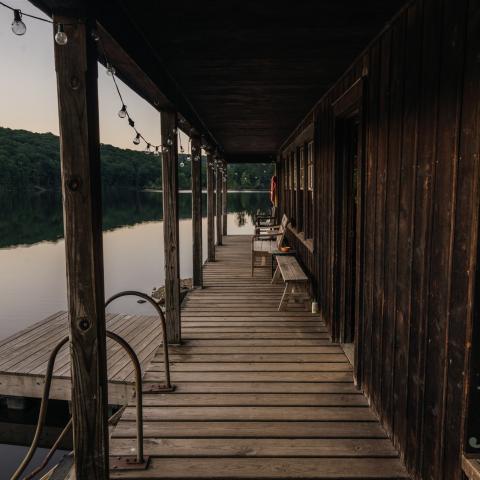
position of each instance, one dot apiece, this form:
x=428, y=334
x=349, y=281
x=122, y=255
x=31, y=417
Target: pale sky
x=28, y=96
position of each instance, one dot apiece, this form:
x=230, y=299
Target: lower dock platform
x=24, y=357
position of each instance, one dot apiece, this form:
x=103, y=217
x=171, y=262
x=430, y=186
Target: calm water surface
x=32, y=258
x=32, y=250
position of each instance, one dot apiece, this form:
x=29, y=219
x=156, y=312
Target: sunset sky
x=28, y=97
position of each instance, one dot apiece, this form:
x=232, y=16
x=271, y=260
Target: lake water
x=32, y=250
x=32, y=257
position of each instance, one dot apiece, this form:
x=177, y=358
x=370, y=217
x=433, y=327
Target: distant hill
x=31, y=160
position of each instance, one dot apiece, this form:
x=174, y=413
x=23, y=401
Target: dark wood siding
x=419, y=225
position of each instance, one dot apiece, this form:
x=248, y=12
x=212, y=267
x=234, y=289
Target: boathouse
x=370, y=112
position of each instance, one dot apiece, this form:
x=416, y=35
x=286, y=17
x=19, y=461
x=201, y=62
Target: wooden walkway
x=24, y=357
x=260, y=394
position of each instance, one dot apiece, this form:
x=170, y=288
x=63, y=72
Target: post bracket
x=158, y=388
x=128, y=462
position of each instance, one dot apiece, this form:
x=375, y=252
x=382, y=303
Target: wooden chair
x=264, y=222
x=266, y=225
x=266, y=242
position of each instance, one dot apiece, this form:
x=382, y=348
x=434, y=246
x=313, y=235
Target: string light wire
x=150, y=147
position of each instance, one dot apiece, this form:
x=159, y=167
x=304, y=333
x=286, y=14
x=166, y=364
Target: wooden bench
x=297, y=284
x=267, y=242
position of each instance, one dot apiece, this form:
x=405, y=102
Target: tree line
x=32, y=160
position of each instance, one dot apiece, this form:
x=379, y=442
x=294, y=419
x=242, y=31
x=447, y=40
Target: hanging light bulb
x=123, y=112
x=95, y=36
x=18, y=27
x=182, y=150
x=156, y=152
x=136, y=140
x=61, y=37
x=196, y=158
x=174, y=130
x=188, y=158
x=110, y=70
x=147, y=149
x=194, y=148
x=169, y=141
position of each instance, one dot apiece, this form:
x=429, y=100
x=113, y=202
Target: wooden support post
x=197, y=212
x=76, y=67
x=210, y=209
x=170, y=225
x=219, y=205
x=224, y=199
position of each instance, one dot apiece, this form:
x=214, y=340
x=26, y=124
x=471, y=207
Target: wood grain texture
x=250, y=75
x=23, y=358
x=170, y=225
x=420, y=227
x=76, y=67
x=255, y=397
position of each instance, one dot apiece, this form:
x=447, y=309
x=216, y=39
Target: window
x=310, y=166
x=294, y=171
x=286, y=178
x=302, y=167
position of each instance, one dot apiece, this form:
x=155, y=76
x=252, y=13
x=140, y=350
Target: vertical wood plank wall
x=419, y=229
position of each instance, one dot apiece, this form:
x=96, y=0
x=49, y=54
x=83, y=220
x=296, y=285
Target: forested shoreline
x=31, y=160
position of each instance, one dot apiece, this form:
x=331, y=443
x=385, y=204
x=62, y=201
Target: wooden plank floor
x=24, y=357
x=260, y=394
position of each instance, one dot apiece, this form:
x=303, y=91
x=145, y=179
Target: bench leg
x=276, y=275
x=285, y=298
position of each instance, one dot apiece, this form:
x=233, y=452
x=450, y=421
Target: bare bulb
x=110, y=70
x=136, y=140
x=169, y=141
x=123, y=112
x=18, y=27
x=61, y=37
x=95, y=35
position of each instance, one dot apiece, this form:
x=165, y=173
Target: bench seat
x=297, y=283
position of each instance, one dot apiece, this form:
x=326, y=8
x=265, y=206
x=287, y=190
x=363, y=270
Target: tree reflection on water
x=31, y=217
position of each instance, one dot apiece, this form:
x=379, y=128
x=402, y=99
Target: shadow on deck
x=260, y=394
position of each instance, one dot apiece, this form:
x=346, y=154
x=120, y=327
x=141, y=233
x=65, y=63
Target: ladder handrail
x=138, y=389
x=152, y=302
x=43, y=409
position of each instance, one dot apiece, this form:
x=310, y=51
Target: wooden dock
x=260, y=394
x=24, y=357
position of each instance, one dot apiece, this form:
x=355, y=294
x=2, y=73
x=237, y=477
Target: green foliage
x=31, y=160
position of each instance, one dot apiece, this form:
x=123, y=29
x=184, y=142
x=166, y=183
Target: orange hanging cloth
x=273, y=190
